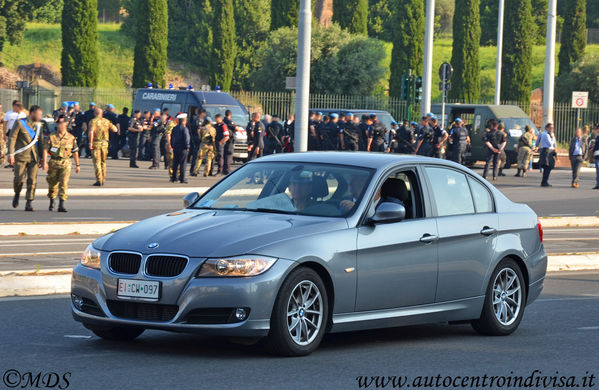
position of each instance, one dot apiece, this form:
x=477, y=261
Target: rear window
x=240, y=117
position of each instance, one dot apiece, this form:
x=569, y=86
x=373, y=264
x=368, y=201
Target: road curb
x=58, y=281
x=103, y=191
x=560, y=222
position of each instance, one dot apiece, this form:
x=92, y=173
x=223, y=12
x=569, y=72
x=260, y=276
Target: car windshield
x=515, y=126
x=239, y=116
x=324, y=190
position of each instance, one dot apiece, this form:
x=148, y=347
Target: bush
x=584, y=76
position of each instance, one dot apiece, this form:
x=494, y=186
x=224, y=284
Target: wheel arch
x=328, y=284
x=521, y=264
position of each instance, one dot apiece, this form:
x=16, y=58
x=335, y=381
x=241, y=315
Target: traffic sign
x=580, y=99
x=445, y=71
x=290, y=83
x=447, y=86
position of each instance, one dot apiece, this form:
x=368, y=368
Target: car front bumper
x=185, y=294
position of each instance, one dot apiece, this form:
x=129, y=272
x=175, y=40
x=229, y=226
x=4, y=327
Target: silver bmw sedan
x=292, y=246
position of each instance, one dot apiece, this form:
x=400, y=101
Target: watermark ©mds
x=12, y=379
x=536, y=379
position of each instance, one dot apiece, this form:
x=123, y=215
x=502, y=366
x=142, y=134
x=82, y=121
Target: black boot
x=15, y=201
x=28, y=206
x=518, y=174
x=61, y=208
x=51, y=207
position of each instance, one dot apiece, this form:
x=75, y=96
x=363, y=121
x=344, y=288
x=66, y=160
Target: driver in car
x=386, y=192
x=300, y=187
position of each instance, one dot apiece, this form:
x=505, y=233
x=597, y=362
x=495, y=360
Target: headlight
x=236, y=266
x=91, y=257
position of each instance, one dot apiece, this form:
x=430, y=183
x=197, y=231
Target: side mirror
x=190, y=199
x=388, y=212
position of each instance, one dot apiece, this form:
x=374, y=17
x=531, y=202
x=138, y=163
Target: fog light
x=241, y=314
x=77, y=301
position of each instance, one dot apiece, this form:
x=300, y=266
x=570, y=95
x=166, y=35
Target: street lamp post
x=497, y=100
x=427, y=69
x=549, y=85
x=304, y=36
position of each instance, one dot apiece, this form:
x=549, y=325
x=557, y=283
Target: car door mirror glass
x=388, y=212
x=190, y=199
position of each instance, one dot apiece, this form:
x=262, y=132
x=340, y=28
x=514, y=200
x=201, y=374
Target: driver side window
x=402, y=187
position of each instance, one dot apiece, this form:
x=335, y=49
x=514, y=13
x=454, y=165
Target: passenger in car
x=356, y=186
x=301, y=188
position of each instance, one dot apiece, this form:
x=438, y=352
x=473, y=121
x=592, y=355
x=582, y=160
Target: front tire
x=505, y=301
x=300, y=314
x=116, y=333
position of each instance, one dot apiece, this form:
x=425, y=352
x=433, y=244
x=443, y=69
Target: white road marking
x=562, y=215
x=45, y=244
x=572, y=239
x=589, y=328
x=39, y=253
x=77, y=336
x=90, y=218
x=568, y=299
x=47, y=240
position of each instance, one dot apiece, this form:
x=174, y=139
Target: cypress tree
x=408, y=41
x=518, y=38
x=489, y=10
x=198, y=39
x=352, y=15
x=574, y=37
x=252, y=25
x=464, y=58
x=284, y=13
x=539, y=15
x=224, y=47
x=79, y=60
x=151, y=44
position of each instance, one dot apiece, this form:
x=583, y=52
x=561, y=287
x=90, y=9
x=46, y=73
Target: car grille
x=142, y=311
x=224, y=315
x=165, y=265
x=90, y=307
x=125, y=263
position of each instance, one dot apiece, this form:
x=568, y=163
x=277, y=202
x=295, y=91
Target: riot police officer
x=313, y=137
x=274, y=133
x=135, y=128
x=405, y=139
x=426, y=139
x=158, y=133
x=459, y=141
x=349, y=135
x=376, y=137
x=440, y=136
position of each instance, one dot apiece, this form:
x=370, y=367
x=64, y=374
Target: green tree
x=574, y=37
x=198, y=39
x=489, y=10
x=351, y=15
x=79, y=60
x=13, y=16
x=516, y=73
x=408, y=41
x=151, y=44
x=379, y=19
x=224, y=48
x=465, y=58
x=283, y=13
x=539, y=15
x=252, y=24
x=584, y=76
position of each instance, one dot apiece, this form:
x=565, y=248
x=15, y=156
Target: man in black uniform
x=376, y=138
x=439, y=138
x=196, y=119
x=144, y=137
x=109, y=114
x=288, y=134
x=135, y=128
x=87, y=117
x=330, y=133
x=180, y=142
x=459, y=141
x=364, y=130
x=349, y=135
x=230, y=144
x=255, y=131
x=426, y=139
x=222, y=137
x=313, y=137
x=321, y=130
x=495, y=142
x=158, y=133
x=75, y=125
x=124, y=127
x=405, y=139
x=274, y=133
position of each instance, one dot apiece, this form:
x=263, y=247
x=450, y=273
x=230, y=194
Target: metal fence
x=6, y=98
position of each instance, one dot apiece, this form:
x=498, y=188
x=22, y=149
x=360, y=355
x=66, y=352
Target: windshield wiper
x=273, y=211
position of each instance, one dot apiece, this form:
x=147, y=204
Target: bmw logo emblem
x=153, y=245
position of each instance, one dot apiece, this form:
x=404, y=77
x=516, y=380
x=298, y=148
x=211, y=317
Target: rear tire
x=505, y=301
x=117, y=333
x=300, y=315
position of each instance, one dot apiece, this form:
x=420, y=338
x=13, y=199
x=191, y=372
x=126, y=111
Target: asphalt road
x=51, y=252
x=559, y=333
x=560, y=200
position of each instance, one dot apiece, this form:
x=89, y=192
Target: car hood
x=210, y=233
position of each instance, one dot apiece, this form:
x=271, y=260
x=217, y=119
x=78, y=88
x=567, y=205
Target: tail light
x=540, y=229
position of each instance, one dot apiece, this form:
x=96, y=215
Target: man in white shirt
x=11, y=117
x=548, y=155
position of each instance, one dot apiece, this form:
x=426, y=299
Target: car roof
x=344, y=110
x=204, y=97
x=500, y=111
x=359, y=159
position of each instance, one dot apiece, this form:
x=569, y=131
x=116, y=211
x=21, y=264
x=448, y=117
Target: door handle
x=488, y=231
x=428, y=238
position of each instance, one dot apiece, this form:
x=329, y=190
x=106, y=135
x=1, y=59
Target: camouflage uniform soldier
x=168, y=158
x=25, y=155
x=60, y=146
x=207, y=137
x=98, y=144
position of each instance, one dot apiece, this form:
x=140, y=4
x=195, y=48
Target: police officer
x=134, y=130
x=144, y=137
x=109, y=114
x=207, y=134
x=99, y=129
x=222, y=136
x=87, y=117
x=255, y=131
x=405, y=138
x=364, y=130
x=123, y=119
x=158, y=132
x=440, y=136
x=330, y=132
x=391, y=138
x=349, y=135
x=195, y=120
x=230, y=144
x=25, y=137
x=62, y=110
x=376, y=138
x=321, y=130
x=313, y=137
x=426, y=139
x=168, y=150
x=459, y=140
x=288, y=133
x=60, y=147
x=502, y=155
x=274, y=133
x=180, y=142
x=494, y=143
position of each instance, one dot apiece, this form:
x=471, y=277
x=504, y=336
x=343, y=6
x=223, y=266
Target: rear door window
x=450, y=191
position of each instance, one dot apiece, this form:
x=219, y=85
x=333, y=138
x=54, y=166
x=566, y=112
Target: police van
x=214, y=102
x=477, y=117
x=385, y=117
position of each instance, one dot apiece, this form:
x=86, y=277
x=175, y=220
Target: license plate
x=138, y=289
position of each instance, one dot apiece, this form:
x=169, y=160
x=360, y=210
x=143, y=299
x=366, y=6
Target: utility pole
x=549, y=85
x=302, y=101
x=427, y=69
x=497, y=100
